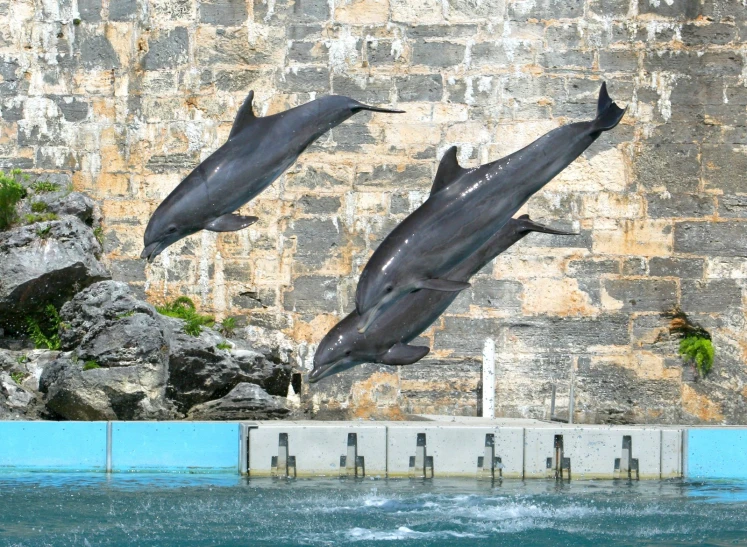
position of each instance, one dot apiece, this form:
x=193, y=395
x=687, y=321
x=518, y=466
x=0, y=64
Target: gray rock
x=72, y=204
x=117, y=367
x=16, y=402
x=200, y=372
x=46, y=262
x=116, y=393
x=244, y=402
x=106, y=302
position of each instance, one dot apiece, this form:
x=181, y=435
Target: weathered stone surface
x=116, y=393
x=200, y=372
x=224, y=12
x=243, y=402
x=641, y=294
x=167, y=49
x=659, y=201
x=711, y=239
x=16, y=402
x=46, y=262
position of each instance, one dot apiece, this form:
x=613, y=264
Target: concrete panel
x=187, y=447
x=592, y=451
x=317, y=447
x=671, y=453
x=717, y=453
x=454, y=448
x=53, y=446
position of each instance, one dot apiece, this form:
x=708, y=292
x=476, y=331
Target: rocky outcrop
x=244, y=402
x=125, y=361
x=120, y=359
x=48, y=262
x=200, y=371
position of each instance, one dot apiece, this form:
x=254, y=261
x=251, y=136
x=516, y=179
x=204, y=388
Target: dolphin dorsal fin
x=448, y=170
x=244, y=117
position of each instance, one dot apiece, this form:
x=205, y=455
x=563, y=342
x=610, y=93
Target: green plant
x=98, y=233
x=228, y=326
x=39, y=207
x=695, y=344
x=184, y=308
x=699, y=350
x=17, y=377
x=43, y=186
x=44, y=329
x=11, y=192
x=224, y=345
x=43, y=231
x=126, y=314
x=22, y=359
x=43, y=217
x=90, y=365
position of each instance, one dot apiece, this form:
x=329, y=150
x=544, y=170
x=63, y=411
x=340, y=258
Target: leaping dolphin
x=386, y=340
x=257, y=152
x=465, y=208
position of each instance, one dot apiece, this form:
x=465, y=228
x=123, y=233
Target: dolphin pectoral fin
x=526, y=224
x=402, y=354
x=448, y=170
x=244, y=117
x=230, y=223
x=443, y=285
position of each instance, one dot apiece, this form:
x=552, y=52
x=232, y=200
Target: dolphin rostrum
x=465, y=208
x=257, y=152
x=386, y=340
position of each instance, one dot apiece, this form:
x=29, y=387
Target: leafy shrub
x=699, y=350
x=224, y=345
x=44, y=329
x=39, y=207
x=98, y=233
x=228, y=326
x=11, y=192
x=90, y=365
x=695, y=344
x=43, y=217
x=44, y=186
x=184, y=308
x=17, y=377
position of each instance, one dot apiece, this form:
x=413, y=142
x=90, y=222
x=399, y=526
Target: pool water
x=129, y=509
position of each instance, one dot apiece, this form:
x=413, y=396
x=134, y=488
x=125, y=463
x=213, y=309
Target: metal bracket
x=559, y=466
x=626, y=466
x=421, y=465
x=488, y=463
x=351, y=464
x=283, y=465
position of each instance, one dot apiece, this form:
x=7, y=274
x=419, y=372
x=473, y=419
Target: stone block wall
x=124, y=97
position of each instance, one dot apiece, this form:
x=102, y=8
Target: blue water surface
x=211, y=510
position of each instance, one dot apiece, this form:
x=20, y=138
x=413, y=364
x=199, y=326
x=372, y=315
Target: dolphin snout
x=151, y=251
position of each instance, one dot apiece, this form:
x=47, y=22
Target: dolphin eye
x=389, y=288
x=171, y=229
x=348, y=353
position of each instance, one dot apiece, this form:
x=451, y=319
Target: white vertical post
x=488, y=379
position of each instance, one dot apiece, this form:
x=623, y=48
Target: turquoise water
x=186, y=510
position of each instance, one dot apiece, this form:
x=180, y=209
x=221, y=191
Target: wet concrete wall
x=122, y=98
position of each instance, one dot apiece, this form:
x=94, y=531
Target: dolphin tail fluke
x=360, y=107
x=608, y=113
x=528, y=225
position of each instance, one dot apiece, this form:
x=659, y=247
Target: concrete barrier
x=716, y=453
x=316, y=449
x=473, y=448
x=53, y=446
x=188, y=447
